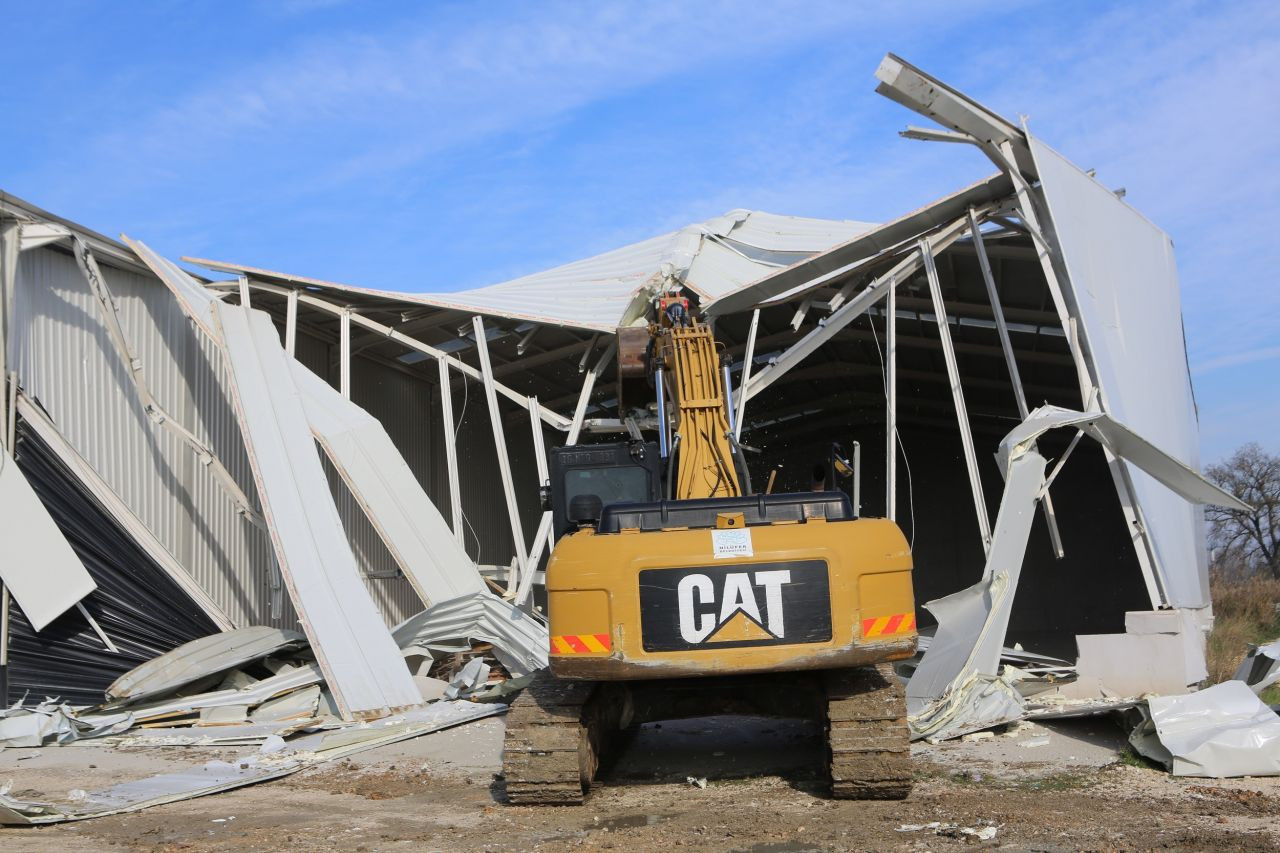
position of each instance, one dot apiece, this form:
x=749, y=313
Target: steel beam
x=1015, y=378
x=891, y=404
x=504, y=461
x=543, y=533
x=451, y=451
x=957, y=395
x=10, y=246
x=746, y=374
x=872, y=294
x=582, y=362
x=588, y=384
x=291, y=323
x=344, y=353
x=553, y=419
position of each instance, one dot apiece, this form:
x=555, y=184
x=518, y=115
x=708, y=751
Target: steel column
x=997, y=312
x=543, y=533
x=588, y=384
x=504, y=461
x=891, y=403
x=451, y=451
x=344, y=353
x=291, y=323
x=957, y=395
x=747, y=358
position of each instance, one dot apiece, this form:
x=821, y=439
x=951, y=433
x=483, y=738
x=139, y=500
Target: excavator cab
x=674, y=590
x=587, y=477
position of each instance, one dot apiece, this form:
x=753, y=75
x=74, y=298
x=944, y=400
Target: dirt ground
x=1064, y=786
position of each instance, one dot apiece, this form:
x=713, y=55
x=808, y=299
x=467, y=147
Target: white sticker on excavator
x=731, y=543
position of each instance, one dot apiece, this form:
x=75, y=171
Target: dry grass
x=1245, y=611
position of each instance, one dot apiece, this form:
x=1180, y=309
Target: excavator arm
x=705, y=459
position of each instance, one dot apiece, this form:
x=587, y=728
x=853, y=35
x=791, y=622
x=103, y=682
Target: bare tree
x=1252, y=536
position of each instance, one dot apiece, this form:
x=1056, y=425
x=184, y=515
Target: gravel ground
x=1042, y=787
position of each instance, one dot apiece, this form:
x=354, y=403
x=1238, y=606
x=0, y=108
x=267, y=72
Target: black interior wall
x=143, y=612
x=1086, y=592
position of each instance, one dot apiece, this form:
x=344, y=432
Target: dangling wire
x=457, y=427
x=897, y=436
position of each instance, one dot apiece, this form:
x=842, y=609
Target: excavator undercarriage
x=558, y=731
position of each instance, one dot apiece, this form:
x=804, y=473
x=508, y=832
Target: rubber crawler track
x=867, y=736
x=547, y=759
x=555, y=734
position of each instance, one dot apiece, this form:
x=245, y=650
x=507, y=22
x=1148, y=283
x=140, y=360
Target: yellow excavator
x=674, y=591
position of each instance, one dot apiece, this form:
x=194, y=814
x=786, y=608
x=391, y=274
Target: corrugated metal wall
x=65, y=360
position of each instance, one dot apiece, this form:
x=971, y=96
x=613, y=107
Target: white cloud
x=1236, y=359
x=453, y=78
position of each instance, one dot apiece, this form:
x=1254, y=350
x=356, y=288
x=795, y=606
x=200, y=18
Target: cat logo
x=739, y=610
x=738, y=605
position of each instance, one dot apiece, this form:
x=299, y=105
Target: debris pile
x=254, y=686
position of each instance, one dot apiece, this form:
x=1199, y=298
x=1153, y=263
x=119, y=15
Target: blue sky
x=437, y=146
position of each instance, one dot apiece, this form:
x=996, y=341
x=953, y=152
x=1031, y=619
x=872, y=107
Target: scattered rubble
x=266, y=691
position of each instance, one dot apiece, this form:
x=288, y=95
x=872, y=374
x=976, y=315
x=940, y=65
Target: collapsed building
x=194, y=452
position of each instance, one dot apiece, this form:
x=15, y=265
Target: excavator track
x=548, y=756
x=868, y=741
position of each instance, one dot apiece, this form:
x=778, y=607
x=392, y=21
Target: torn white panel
x=1055, y=708
x=1219, y=732
x=39, y=568
x=361, y=664
x=216, y=776
x=471, y=678
x=520, y=642
x=197, y=303
x=408, y=522
x=1183, y=481
x=224, y=715
x=972, y=622
x=301, y=704
x=1123, y=283
x=285, y=681
x=980, y=702
x=89, y=478
x=53, y=722
x=32, y=727
x=232, y=735
x=1261, y=667
x=200, y=658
